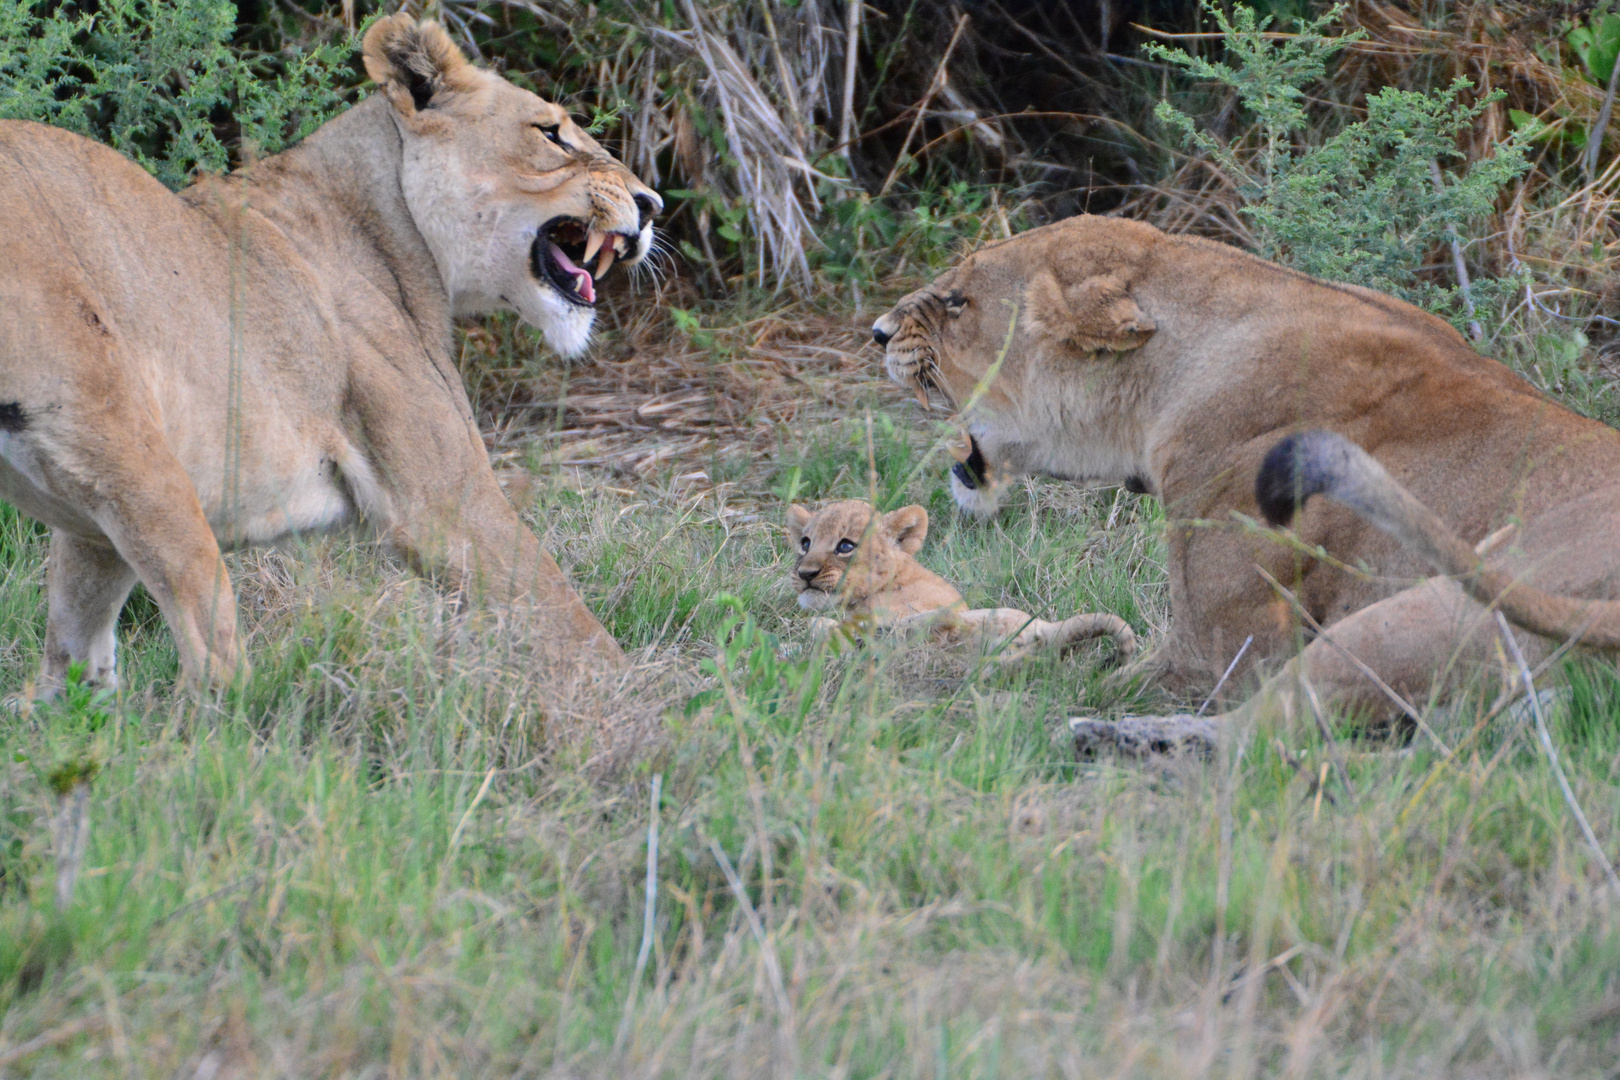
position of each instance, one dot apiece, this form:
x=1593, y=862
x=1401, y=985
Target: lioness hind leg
x=86, y=586
x=157, y=526
x=1431, y=637
x=175, y=555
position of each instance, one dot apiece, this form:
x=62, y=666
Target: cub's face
x=847, y=553
x=522, y=209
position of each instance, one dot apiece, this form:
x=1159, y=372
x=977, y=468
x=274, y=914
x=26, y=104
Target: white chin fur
x=566, y=326
x=811, y=600
x=979, y=501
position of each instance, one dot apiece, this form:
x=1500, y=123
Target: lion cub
x=860, y=563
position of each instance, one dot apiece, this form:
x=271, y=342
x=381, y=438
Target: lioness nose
x=880, y=335
x=647, y=206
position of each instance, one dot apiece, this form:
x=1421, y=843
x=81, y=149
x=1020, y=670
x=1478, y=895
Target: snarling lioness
x=270, y=352
x=1173, y=365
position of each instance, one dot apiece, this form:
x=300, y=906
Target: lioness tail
x=1324, y=463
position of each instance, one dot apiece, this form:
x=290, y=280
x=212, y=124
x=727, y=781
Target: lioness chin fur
x=862, y=564
x=270, y=352
x=1173, y=365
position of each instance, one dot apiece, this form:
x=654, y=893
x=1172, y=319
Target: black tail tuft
x=1293, y=471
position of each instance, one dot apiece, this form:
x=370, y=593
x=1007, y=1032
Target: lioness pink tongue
x=582, y=278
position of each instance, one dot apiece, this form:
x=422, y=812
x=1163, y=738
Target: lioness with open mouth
x=270, y=352
x=1101, y=349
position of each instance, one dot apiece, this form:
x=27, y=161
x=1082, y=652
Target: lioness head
x=1032, y=339
x=847, y=553
x=520, y=207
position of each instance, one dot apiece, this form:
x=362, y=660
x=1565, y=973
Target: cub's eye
x=804, y=545
x=845, y=547
x=550, y=131
x=954, y=303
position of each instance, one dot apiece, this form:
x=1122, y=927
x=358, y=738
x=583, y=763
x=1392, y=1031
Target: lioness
x=861, y=563
x=270, y=351
x=1174, y=364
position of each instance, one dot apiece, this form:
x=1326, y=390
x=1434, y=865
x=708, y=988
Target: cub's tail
x=1078, y=628
x=1323, y=463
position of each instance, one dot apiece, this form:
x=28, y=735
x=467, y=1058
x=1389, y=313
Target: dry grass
x=655, y=397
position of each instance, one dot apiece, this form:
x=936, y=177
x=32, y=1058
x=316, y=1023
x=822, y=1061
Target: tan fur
x=270, y=352
x=1174, y=364
x=863, y=565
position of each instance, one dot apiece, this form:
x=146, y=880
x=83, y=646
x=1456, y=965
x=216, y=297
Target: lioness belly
x=22, y=485
x=263, y=508
x=256, y=505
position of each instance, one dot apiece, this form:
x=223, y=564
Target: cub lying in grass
x=858, y=562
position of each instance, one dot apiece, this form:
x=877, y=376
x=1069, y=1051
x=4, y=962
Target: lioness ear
x=1096, y=314
x=413, y=62
x=797, y=518
x=907, y=527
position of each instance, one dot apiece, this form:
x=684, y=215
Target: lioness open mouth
x=562, y=248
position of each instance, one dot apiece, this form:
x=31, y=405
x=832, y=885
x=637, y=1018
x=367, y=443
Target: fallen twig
x=1552, y=754
x=648, y=914
x=1327, y=735
x=773, y=969
x=50, y=1038
x=934, y=87
x=1475, y=331
x=1594, y=144
x=1225, y=674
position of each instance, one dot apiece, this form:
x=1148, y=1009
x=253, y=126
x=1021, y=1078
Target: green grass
x=384, y=856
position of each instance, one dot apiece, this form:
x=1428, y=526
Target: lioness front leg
x=86, y=584
x=445, y=513
x=494, y=557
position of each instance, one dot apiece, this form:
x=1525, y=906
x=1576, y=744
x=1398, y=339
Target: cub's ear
x=1096, y=314
x=907, y=527
x=414, y=62
x=797, y=518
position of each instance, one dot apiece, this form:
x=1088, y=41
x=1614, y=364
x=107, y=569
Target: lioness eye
x=954, y=303
x=845, y=547
x=550, y=132
x=804, y=545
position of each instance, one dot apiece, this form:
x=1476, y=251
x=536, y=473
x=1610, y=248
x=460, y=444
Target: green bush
x=1366, y=204
x=158, y=80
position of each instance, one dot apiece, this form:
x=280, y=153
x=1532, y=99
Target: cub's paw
x=821, y=628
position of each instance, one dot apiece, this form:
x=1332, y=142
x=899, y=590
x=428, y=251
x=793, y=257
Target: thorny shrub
x=1368, y=203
